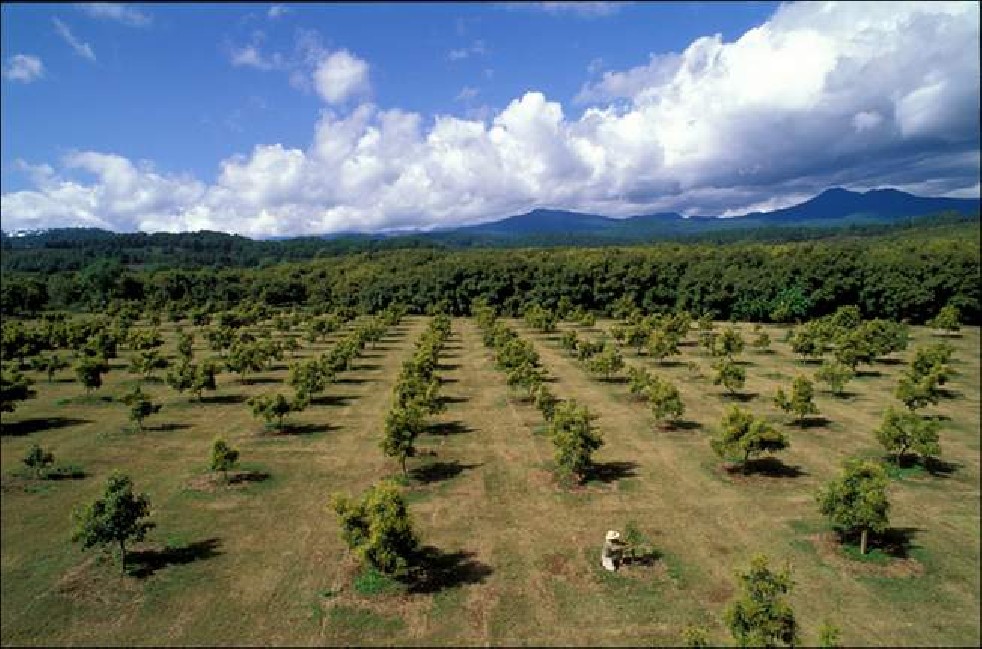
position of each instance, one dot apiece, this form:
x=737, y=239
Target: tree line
x=893, y=277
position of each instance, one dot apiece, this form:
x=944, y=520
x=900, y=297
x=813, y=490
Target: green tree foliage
x=145, y=339
x=807, y=340
x=916, y=392
x=118, y=517
x=568, y=341
x=146, y=362
x=181, y=377
x=747, y=436
x=828, y=636
x=728, y=343
x=801, y=402
x=14, y=387
x=663, y=343
x=140, y=405
x=856, y=501
x=49, y=364
x=540, y=319
x=377, y=527
x=762, y=340
x=901, y=432
x=89, y=370
x=947, y=319
x=664, y=399
x=38, y=459
x=574, y=437
x=185, y=346
x=695, y=636
x=836, y=374
x=761, y=615
x=402, y=426
x=638, y=380
x=608, y=361
x=223, y=457
x=729, y=374
x=637, y=335
x=545, y=401
x=204, y=378
x=274, y=408
x=308, y=377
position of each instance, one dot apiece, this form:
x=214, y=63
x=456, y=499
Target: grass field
x=262, y=562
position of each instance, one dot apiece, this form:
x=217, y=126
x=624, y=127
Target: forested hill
x=907, y=274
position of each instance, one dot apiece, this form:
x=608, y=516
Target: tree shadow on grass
x=28, y=426
x=349, y=380
x=614, y=380
x=742, y=397
x=607, y=472
x=812, y=422
x=302, y=429
x=260, y=380
x=446, y=399
x=895, y=542
x=439, y=471
x=868, y=374
x=366, y=367
x=682, y=424
x=940, y=468
x=890, y=361
x=165, y=428
x=333, y=399
x=446, y=428
x=948, y=393
x=447, y=367
x=770, y=467
x=670, y=364
x=225, y=399
x=144, y=563
x=241, y=477
x=434, y=570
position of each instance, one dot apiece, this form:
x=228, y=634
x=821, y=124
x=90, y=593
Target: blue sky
x=307, y=118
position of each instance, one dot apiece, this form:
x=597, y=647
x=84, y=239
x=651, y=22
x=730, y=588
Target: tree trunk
x=403, y=459
x=746, y=458
x=862, y=541
x=122, y=557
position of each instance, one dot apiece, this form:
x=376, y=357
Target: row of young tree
x=416, y=394
x=569, y=424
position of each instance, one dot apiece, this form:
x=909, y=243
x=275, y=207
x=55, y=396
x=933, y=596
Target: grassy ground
x=261, y=562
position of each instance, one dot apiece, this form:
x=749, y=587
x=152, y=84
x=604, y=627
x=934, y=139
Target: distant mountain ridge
x=832, y=208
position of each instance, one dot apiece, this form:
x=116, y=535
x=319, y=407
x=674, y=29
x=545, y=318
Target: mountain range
x=833, y=208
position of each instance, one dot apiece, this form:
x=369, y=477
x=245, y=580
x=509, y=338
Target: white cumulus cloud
x=340, y=76
x=859, y=95
x=24, y=68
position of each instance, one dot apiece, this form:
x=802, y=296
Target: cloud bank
x=855, y=94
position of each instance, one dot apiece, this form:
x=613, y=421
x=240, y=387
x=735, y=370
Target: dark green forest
x=904, y=273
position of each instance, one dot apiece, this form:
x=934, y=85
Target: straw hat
x=613, y=535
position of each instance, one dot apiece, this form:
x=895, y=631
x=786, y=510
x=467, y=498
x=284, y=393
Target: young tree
x=185, y=346
x=639, y=379
x=89, y=370
x=402, y=427
x=828, y=636
x=637, y=336
x=50, y=365
x=918, y=391
x=37, y=459
x=904, y=431
x=946, y=320
x=140, y=406
x=761, y=616
x=856, y=501
x=117, y=517
x=662, y=344
x=181, y=378
x=378, y=528
x=728, y=343
x=223, y=458
x=575, y=438
x=836, y=374
x=14, y=387
x=743, y=434
x=801, y=402
x=607, y=362
x=307, y=377
x=275, y=407
x=762, y=340
x=731, y=375
x=204, y=378
x=664, y=399
x=545, y=401
x=568, y=341
x=146, y=362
